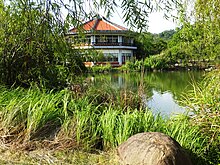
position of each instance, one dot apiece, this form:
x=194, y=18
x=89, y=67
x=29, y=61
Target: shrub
x=101, y=68
x=155, y=62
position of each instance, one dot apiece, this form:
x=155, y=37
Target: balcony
x=112, y=44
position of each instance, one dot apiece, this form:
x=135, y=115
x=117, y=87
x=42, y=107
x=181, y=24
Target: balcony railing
x=112, y=44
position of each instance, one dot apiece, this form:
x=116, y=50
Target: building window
x=112, y=39
x=111, y=57
x=106, y=39
x=81, y=40
x=126, y=40
x=101, y=39
x=126, y=57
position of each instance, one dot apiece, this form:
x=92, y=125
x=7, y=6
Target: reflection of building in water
x=118, y=80
x=162, y=90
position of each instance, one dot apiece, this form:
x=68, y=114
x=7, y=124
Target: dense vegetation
x=195, y=43
x=204, y=101
x=151, y=44
x=92, y=119
x=33, y=47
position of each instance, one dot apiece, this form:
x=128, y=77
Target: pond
x=162, y=90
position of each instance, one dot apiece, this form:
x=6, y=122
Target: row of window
x=78, y=40
x=99, y=39
x=114, y=57
x=106, y=39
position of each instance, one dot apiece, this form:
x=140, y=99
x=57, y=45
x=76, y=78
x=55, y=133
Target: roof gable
x=100, y=24
x=103, y=25
x=89, y=25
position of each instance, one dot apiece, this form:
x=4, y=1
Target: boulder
x=152, y=148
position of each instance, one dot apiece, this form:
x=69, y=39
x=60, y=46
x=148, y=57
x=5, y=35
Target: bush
x=101, y=68
x=155, y=62
x=132, y=66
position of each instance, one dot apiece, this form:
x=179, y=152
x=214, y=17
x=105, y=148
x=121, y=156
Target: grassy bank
x=87, y=121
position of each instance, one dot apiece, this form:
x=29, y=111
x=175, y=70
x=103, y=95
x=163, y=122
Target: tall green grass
x=204, y=102
x=62, y=120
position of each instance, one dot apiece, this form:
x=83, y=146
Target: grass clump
x=98, y=119
x=104, y=95
x=204, y=102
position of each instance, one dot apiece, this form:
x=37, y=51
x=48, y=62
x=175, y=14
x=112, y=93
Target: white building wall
x=120, y=52
x=127, y=51
x=119, y=39
x=92, y=40
x=110, y=51
x=116, y=51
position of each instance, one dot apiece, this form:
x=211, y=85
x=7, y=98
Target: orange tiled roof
x=89, y=25
x=100, y=24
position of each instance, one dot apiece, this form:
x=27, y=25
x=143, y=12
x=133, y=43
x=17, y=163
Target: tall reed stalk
x=63, y=121
x=204, y=102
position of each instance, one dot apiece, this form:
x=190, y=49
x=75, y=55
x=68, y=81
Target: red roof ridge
x=95, y=24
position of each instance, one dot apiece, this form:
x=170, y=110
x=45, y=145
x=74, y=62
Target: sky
x=157, y=22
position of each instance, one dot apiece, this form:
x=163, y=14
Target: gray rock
x=152, y=148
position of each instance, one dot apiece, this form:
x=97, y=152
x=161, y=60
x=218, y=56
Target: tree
x=167, y=34
x=201, y=26
x=198, y=39
x=34, y=48
x=144, y=43
x=32, y=42
x=149, y=44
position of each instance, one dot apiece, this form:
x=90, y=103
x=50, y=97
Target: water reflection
x=162, y=89
x=164, y=103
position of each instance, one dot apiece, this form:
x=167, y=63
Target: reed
x=204, y=102
x=60, y=120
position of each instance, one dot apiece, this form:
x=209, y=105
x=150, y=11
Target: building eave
x=115, y=47
x=92, y=32
x=106, y=47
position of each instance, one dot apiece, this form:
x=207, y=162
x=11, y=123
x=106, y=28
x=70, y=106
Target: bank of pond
x=98, y=117
x=154, y=63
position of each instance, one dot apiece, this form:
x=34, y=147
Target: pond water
x=162, y=90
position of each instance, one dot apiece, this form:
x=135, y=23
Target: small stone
x=152, y=148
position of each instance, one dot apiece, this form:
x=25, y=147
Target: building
x=114, y=41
